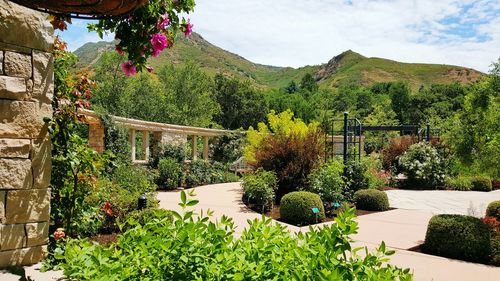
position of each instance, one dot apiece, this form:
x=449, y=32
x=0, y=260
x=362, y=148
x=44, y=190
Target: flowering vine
x=144, y=33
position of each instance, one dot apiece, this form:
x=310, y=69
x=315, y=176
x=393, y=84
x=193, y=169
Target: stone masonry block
x=37, y=233
x=17, y=65
x=43, y=76
x=25, y=27
x=16, y=174
x=13, y=88
x=26, y=256
x=24, y=206
x=12, y=236
x=15, y=148
x=41, y=162
x=2, y=206
x=1, y=62
x=23, y=119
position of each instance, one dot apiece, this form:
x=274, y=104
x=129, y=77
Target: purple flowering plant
x=147, y=31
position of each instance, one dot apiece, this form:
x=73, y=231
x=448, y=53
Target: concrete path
x=399, y=229
x=471, y=203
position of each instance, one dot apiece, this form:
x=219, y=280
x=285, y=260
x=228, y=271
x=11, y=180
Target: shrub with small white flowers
x=424, y=166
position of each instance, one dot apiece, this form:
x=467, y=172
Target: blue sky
x=297, y=33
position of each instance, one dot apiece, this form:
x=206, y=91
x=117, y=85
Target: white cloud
x=297, y=33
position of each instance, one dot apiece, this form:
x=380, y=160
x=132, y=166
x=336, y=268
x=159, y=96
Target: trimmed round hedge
x=493, y=209
x=481, y=184
x=371, y=200
x=296, y=208
x=459, y=237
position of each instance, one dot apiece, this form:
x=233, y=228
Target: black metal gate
x=343, y=139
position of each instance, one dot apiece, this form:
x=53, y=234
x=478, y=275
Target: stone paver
x=472, y=203
x=400, y=229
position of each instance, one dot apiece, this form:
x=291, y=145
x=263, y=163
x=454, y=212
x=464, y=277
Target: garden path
x=400, y=229
x=472, y=203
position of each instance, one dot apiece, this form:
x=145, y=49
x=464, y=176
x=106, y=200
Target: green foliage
x=241, y=105
x=495, y=250
x=179, y=95
x=74, y=164
x=227, y=148
x=461, y=183
x=199, y=172
x=493, y=209
x=288, y=147
x=424, y=166
x=170, y=173
x=355, y=173
x=115, y=197
x=371, y=200
x=181, y=247
x=188, y=98
x=481, y=183
x=308, y=83
x=259, y=188
x=474, y=135
x=328, y=182
x=296, y=208
x=457, y=236
x=176, y=152
x=116, y=139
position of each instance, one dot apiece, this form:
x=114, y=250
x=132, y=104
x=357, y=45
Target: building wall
x=26, y=90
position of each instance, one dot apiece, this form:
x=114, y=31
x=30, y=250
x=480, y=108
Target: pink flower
x=188, y=28
x=159, y=42
x=129, y=68
x=59, y=233
x=119, y=50
x=162, y=22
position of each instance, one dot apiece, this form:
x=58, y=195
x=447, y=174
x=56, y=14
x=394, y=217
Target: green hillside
x=348, y=67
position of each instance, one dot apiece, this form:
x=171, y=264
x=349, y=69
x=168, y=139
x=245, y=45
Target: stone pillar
x=96, y=136
x=132, y=144
x=193, y=147
x=205, y=147
x=145, y=145
x=26, y=90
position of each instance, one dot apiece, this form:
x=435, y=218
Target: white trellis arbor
x=163, y=133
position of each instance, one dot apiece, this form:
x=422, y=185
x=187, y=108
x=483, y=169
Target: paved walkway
x=400, y=229
x=471, y=203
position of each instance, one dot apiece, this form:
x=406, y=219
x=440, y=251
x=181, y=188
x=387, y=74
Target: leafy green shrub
x=327, y=181
x=371, y=200
x=230, y=177
x=172, y=151
x=181, y=248
x=459, y=183
x=355, y=174
x=198, y=172
x=296, y=208
x=227, y=148
x=145, y=216
x=259, y=188
x=424, y=166
x=493, y=209
x=495, y=249
x=481, y=183
x=170, y=173
x=459, y=237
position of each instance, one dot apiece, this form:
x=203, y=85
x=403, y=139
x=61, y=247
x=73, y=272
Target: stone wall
x=26, y=90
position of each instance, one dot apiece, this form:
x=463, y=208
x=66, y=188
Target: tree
x=400, y=97
x=241, y=105
x=188, y=95
x=292, y=87
x=308, y=83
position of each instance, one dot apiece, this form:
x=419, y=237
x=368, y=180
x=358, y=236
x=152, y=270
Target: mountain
x=348, y=67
